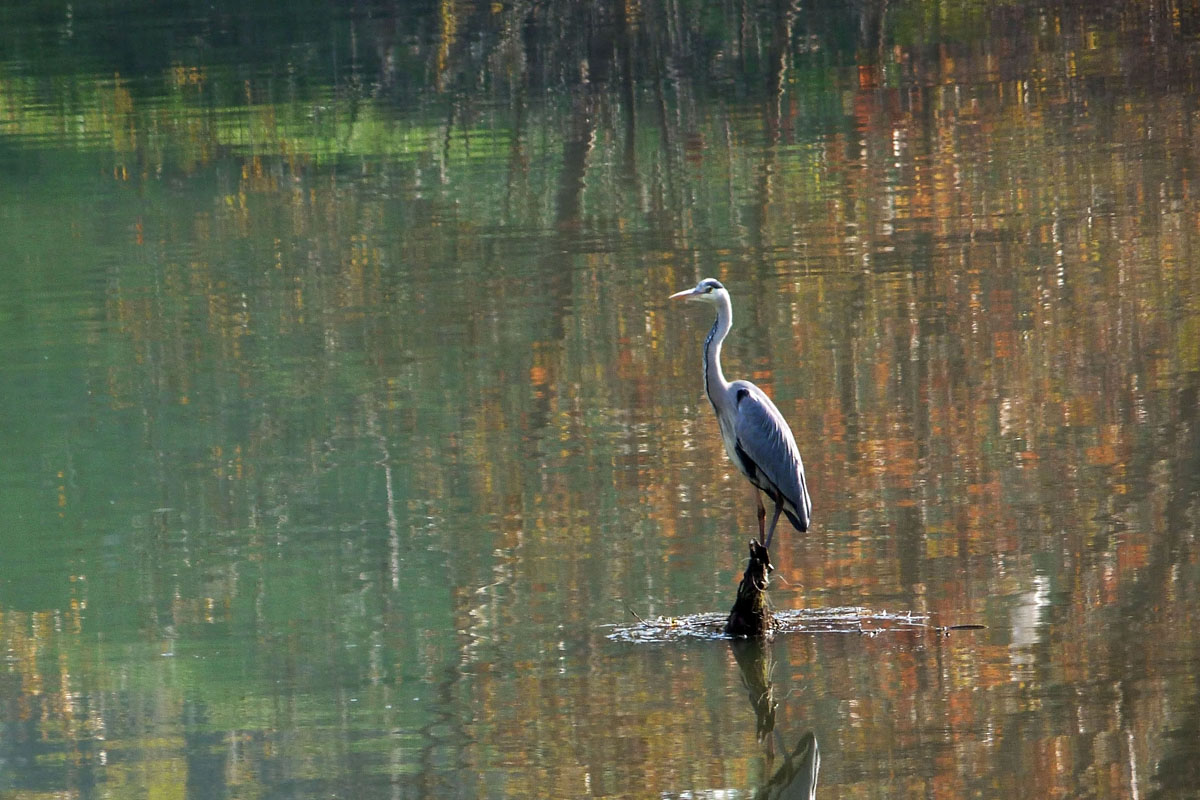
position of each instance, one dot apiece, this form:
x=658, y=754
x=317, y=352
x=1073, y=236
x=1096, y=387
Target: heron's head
x=707, y=290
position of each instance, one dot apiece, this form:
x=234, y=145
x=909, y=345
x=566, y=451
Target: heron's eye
x=708, y=290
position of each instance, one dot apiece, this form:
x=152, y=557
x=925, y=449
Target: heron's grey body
x=756, y=436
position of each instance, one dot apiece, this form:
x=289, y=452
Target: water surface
x=345, y=414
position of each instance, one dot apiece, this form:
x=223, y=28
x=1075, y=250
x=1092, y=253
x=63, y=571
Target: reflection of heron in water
x=797, y=778
x=757, y=437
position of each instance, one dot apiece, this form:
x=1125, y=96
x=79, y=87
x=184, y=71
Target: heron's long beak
x=686, y=293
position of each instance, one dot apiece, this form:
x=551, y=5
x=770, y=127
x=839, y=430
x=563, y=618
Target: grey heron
x=757, y=437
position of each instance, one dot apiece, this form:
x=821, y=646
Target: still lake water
x=344, y=414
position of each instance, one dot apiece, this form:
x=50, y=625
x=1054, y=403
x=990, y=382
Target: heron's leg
x=762, y=514
x=774, y=519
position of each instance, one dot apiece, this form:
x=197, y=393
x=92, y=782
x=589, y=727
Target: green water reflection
x=343, y=407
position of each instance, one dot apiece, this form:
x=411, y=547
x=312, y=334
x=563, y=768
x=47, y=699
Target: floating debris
x=672, y=629
x=851, y=619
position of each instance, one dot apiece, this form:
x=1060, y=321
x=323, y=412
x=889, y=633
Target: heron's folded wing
x=763, y=434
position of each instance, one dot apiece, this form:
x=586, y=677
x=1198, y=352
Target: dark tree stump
x=750, y=617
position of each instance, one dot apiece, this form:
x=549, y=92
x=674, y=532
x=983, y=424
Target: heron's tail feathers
x=798, y=523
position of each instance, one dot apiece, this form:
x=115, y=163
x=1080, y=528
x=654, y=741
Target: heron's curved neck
x=715, y=384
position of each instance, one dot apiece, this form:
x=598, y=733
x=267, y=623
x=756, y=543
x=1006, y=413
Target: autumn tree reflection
x=340, y=413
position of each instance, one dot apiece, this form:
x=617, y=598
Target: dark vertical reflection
x=779, y=51
x=205, y=755
x=1148, y=606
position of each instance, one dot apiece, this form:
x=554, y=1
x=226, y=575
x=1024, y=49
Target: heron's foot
x=759, y=553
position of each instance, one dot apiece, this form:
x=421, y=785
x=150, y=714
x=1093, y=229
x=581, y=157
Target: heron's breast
x=732, y=450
